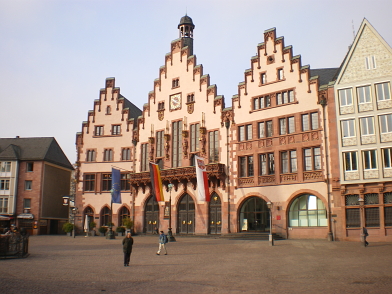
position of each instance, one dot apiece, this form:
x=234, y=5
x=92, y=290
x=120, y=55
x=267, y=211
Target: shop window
x=307, y=211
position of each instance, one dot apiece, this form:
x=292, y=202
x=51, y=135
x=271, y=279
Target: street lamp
x=361, y=202
x=270, y=238
x=170, y=233
x=70, y=203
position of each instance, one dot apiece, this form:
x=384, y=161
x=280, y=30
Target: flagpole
x=110, y=234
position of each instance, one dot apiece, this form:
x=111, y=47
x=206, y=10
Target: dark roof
x=134, y=111
x=325, y=75
x=40, y=148
x=186, y=20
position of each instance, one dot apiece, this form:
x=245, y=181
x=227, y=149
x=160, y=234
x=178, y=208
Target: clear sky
x=56, y=54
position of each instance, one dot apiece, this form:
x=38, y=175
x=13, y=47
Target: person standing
x=127, y=248
x=162, y=243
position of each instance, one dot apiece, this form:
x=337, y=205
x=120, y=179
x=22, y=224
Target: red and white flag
x=202, y=180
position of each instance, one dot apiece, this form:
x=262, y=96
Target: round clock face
x=175, y=101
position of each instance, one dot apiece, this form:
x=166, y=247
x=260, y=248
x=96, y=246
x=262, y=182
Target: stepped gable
x=129, y=111
x=40, y=148
x=181, y=74
x=272, y=54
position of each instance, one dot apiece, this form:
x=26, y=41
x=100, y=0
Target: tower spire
x=185, y=29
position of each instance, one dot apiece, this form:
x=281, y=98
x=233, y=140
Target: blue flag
x=116, y=187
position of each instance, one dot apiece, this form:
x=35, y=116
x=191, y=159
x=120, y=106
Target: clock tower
x=185, y=29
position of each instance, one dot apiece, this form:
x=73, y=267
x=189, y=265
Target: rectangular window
x=270, y=130
x=291, y=122
x=159, y=143
x=350, y=161
x=5, y=166
x=282, y=126
x=388, y=216
x=266, y=164
x=213, y=146
x=144, y=158
x=280, y=74
x=370, y=62
x=29, y=166
x=98, y=131
x=246, y=166
x=284, y=157
x=195, y=132
x=263, y=78
x=267, y=101
x=261, y=129
x=116, y=129
x=90, y=156
x=3, y=205
x=386, y=123
x=372, y=217
x=383, y=92
x=367, y=127
x=89, y=182
x=126, y=154
x=370, y=159
x=249, y=132
x=314, y=118
x=279, y=100
x=345, y=97
x=26, y=203
x=353, y=218
x=106, y=182
x=176, y=142
x=28, y=185
x=312, y=158
x=289, y=161
x=256, y=103
x=4, y=184
x=291, y=96
x=387, y=154
x=125, y=182
x=305, y=122
x=348, y=128
x=364, y=94
x=108, y=155
x=245, y=133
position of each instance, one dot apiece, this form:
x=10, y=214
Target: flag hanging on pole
x=116, y=186
x=202, y=180
x=156, y=182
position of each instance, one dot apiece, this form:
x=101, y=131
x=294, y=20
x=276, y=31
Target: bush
x=120, y=230
x=103, y=230
x=127, y=222
x=92, y=225
x=68, y=227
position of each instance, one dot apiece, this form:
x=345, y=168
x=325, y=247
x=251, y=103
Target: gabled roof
x=325, y=75
x=365, y=24
x=40, y=148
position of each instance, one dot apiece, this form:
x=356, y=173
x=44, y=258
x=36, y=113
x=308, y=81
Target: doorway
x=254, y=216
x=151, y=216
x=186, y=215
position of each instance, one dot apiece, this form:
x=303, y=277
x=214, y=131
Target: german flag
x=156, y=182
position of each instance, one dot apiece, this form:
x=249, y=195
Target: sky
x=56, y=54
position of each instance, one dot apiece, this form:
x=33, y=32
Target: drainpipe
x=323, y=103
x=227, y=125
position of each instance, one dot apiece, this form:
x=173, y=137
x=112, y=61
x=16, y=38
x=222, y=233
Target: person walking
x=162, y=243
x=365, y=234
x=127, y=248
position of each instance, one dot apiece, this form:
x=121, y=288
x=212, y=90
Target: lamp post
x=361, y=202
x=227, y=125
x=270, y=237
x=70, y=203
x=170, y=233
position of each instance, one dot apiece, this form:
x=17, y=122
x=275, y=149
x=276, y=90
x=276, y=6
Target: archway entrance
x=186, y=215
x=215, y=214
x=254, y=216
x=151, y=216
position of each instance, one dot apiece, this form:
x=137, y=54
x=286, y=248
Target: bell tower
x=185, y=29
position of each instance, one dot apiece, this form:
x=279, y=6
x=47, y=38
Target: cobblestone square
x=60, y=264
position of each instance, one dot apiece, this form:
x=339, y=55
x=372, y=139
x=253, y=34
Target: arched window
x=307, y=211
x=105, y=216
x=124, y=213
x=108, y=110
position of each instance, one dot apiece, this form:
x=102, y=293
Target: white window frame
x=381, y=94
x=387, y=157
x=364, y=90
x=369, y=156
x=367, y=126
x=348, y=126
x=385, y=123
x=349, y=155
x=343, y=97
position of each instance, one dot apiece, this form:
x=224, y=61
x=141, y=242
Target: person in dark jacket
x=365, y=234
x=127, y=248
